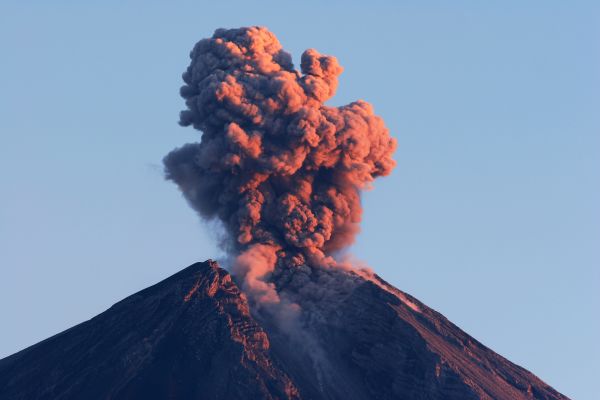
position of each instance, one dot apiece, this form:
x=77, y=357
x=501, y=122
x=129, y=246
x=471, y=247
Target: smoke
x=281, y=170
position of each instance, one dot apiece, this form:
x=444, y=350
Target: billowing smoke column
x=281, y=170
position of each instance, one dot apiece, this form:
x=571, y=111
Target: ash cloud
x=281, y=170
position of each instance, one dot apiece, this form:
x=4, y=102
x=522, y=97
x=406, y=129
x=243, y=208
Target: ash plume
x=281, y=170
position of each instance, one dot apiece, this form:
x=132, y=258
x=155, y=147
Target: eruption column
x=282, y=171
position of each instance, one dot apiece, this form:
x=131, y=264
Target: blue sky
x=491, y=216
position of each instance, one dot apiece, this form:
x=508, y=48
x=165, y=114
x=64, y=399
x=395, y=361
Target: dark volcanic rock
x=191, y=336
x=188, y=337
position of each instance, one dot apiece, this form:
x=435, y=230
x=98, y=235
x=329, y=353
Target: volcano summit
x=192, y=336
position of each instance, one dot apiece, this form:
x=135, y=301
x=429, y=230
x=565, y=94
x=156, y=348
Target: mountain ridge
x=193, y=335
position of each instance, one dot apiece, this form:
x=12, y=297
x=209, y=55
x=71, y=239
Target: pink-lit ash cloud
x=281, y=170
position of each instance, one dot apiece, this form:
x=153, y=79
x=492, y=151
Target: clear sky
x=491, y=216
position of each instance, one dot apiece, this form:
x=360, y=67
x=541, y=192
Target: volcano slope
x=192, y=336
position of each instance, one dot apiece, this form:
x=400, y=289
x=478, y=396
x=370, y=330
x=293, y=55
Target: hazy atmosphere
x=490, y=215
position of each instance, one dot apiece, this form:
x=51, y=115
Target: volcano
x=193, y=336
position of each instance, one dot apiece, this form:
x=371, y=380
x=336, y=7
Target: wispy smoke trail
x=281, y=170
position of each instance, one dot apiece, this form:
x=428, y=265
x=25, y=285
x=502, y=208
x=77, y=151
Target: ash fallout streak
x=282, y=171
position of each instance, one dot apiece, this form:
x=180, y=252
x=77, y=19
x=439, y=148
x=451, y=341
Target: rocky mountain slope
x=192, y=336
